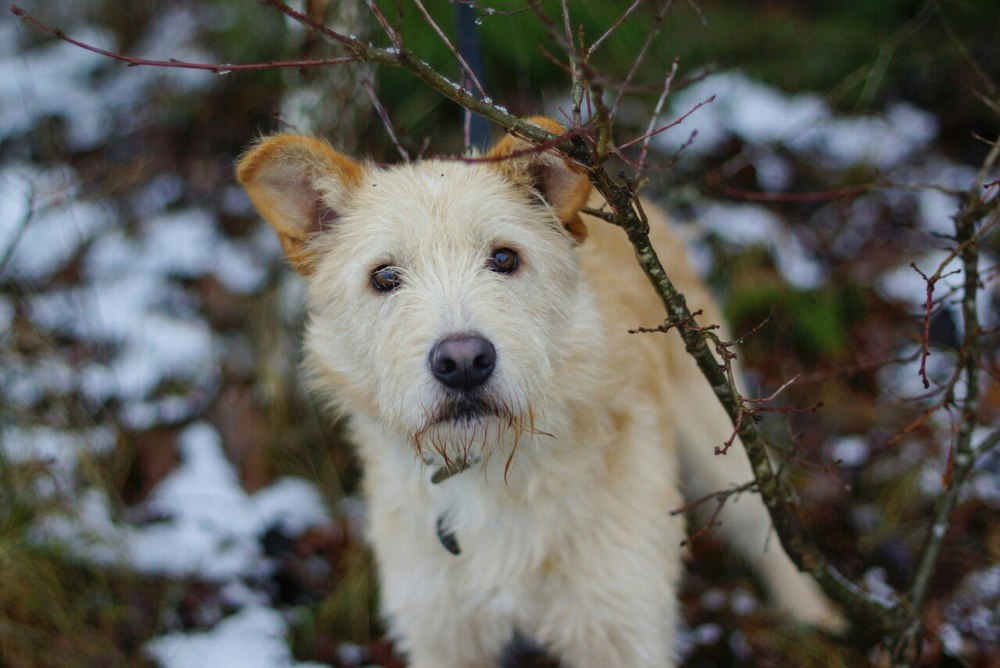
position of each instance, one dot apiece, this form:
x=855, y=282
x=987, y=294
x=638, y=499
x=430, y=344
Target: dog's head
x=442, y=294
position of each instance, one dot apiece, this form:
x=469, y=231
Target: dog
x=521, y=451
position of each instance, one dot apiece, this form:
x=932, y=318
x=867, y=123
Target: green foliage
x=811, y=325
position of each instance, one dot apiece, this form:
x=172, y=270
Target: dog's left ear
x=301, y=186
x=564, y=185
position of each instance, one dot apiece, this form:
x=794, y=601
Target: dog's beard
x=463, y=431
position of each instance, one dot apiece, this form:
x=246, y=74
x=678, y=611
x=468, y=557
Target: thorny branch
x=590, y=146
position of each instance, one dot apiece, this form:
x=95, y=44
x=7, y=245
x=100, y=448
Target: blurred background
x=169, y=496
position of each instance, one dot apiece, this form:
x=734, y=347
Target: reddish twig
x=666, y=127
x=720, y=497
x=925, y=346
x=818, y=196
x=215, y=68
x=660, y=165
x=687, y=323
x=724, y=450
x=531, y=149
x=773, y=395
x=306, y=20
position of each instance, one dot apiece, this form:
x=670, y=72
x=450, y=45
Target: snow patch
x=758, y=114
x=254, y=637
x=848, y=450
x=754, y=225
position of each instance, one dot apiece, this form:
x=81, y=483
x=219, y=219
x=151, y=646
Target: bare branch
x=575, y=59
x=215, y=68
x=720, y=497
x=819, y=196
x=392, y=33
x=655, y=116
x=614, y=26
x=641, y=56
x=466, y=70
x=669, y=125
x=774, y=395
x=367, y=85
x=697, y=10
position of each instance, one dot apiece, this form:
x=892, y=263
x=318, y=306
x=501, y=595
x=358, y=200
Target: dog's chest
x=507, y=533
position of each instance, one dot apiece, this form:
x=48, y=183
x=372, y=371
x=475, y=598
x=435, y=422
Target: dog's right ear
x=563, y=184
x=300, y=186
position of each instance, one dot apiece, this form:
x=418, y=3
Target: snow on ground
x=199, y=521
x=131, y=300
x=254, y=637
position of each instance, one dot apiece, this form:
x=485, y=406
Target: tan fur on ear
x=299, y=185
x=563, y=184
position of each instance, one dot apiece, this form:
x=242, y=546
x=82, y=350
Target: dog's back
x=661, y=365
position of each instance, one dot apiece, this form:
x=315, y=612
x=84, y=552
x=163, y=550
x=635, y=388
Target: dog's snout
x=463, y=361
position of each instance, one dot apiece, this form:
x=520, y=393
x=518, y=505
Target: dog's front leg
x=609, y=618
x=610, y=598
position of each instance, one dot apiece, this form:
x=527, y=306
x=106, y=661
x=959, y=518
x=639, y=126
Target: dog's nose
x=463, y=361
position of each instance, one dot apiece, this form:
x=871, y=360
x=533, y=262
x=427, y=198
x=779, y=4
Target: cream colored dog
x=519, y=446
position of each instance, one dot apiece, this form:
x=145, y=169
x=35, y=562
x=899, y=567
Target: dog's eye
x=503, y=261
x=385, y=279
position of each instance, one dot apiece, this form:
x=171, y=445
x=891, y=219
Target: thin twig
x=215, y=68
x=817, y=196
x=22, y=226
x=697, y=10
x=655, y=117
x=392, y=33
x=774, y=395
x=575, y=59
x=614, y=26
x=467, y=71
x=666, y=127
x=641, y=56
x=367, y=85
x=720, y=497
x=531, y=149
x=988, y=443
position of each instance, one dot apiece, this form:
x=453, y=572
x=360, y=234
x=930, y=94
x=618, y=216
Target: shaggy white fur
x=552, y=479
